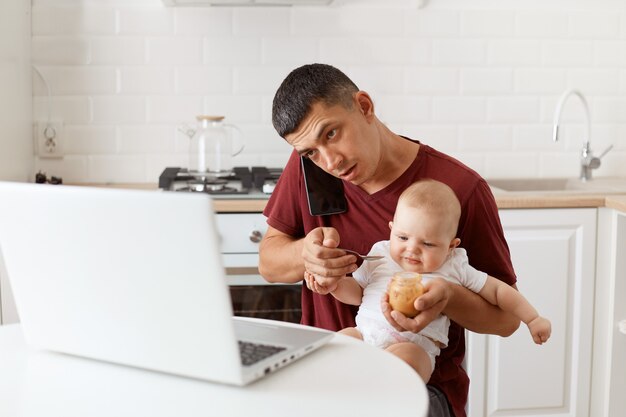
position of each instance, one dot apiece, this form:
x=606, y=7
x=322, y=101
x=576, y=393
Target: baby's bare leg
x=414, y=356
x=352, y=332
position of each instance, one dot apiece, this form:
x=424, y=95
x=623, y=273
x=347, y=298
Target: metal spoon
x=364, y=257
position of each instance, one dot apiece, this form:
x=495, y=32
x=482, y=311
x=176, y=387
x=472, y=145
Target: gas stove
x=242, y=183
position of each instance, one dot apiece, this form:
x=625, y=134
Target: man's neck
x=397, y=155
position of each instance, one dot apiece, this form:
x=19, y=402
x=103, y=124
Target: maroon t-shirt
x=367, y=221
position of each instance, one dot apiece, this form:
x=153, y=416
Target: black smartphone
x=324, y=191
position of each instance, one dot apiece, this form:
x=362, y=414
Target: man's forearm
x=476, y=314
x=280, y=259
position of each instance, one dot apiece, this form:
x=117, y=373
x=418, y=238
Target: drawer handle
x=255, y=236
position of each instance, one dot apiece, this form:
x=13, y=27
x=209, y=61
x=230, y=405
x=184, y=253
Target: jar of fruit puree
x=404, y=289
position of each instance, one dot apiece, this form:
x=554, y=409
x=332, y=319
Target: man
x=328, y=120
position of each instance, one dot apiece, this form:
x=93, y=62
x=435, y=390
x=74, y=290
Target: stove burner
x=207, y=185
x=242, y=180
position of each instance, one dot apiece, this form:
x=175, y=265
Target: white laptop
x=134, y=278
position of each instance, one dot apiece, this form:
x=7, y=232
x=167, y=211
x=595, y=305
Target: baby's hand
x=540, y=329
x=312, y=284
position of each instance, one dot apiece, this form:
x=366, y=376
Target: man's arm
x=280, y=257
x=284, y=258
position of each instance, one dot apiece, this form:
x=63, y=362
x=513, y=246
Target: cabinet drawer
x=241, y=232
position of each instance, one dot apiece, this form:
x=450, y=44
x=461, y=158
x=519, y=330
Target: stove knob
x=255, y=236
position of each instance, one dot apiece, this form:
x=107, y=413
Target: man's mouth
x=346, y=175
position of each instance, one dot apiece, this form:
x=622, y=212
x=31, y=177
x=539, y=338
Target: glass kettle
x=213, y=144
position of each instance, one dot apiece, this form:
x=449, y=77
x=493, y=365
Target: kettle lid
x=210, y=118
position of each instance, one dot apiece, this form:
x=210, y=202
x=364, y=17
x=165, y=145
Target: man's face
x=340, y=141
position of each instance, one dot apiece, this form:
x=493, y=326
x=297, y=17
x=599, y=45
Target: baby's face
x=420, y=240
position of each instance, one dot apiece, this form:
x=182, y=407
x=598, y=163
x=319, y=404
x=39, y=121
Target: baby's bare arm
x=348, y=291
x=509, y=299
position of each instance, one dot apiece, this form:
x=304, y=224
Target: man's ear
x=365, y=104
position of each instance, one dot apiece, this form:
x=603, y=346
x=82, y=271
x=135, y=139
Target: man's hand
x=429, y=306
x=323, y=260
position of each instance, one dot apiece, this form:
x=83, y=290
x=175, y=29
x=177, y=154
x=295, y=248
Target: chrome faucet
x=587, y=160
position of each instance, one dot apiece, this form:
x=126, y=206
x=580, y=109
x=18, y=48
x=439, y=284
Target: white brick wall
x=478, y=79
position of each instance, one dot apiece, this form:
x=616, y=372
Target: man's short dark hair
x=306, y=86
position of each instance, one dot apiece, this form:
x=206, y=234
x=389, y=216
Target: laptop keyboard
x=252, y=353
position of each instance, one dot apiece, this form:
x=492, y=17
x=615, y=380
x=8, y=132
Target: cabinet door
x=609, y=348
x=553, y=252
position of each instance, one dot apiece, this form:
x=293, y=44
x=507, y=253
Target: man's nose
x=331, y=161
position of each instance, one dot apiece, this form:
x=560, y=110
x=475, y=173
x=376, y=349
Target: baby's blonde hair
x=435, y=197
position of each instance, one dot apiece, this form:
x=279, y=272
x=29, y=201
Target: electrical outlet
x=50, y=142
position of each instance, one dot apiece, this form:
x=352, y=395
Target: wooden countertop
x=504, y=200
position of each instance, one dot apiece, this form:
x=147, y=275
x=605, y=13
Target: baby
x=423, y=239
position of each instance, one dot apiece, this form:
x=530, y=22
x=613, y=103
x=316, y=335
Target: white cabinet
x=240, y=235
x=8, y=312
x=608, y=397
x=553, y=252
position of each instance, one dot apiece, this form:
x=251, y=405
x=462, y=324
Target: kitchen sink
x=600, y=185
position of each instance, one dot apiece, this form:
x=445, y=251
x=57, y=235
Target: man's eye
x=310, y=154
x=332, y=133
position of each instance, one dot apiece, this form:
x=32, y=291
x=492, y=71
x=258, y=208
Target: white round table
x=345, y=377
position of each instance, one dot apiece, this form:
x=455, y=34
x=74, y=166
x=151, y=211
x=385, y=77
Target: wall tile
x=567, y=53
x=290, y=51
x=459, y=52
x=514, y=52
x=486, y=81
x=229, y=50
x=593, y=81
x=535, y=24
x=146, y=21
x=68, y=109
x=456, y=109
x=174, y=51
x=485, y=138
x=209, y=21
x=487, y=23
x=146, y=139
x=118, y=50
x=64, y=81
x=402, y=108
x=81, y=140
x=478, y=82
x=117, y=169
x=173, y=109
x=609, y=53
x=432, y=80
x=119, y=110
x=432, y=23
x=146, y=80
x=63, y=50
x=594, y=24
x=539, y=81
x=74, y=20
x=513, y=110
x=204, y=80
x=250, y=21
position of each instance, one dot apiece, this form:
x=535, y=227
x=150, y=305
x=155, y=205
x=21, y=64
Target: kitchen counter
x=504, y=199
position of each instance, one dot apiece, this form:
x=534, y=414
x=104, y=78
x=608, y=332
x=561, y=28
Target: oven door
x=251, y=295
